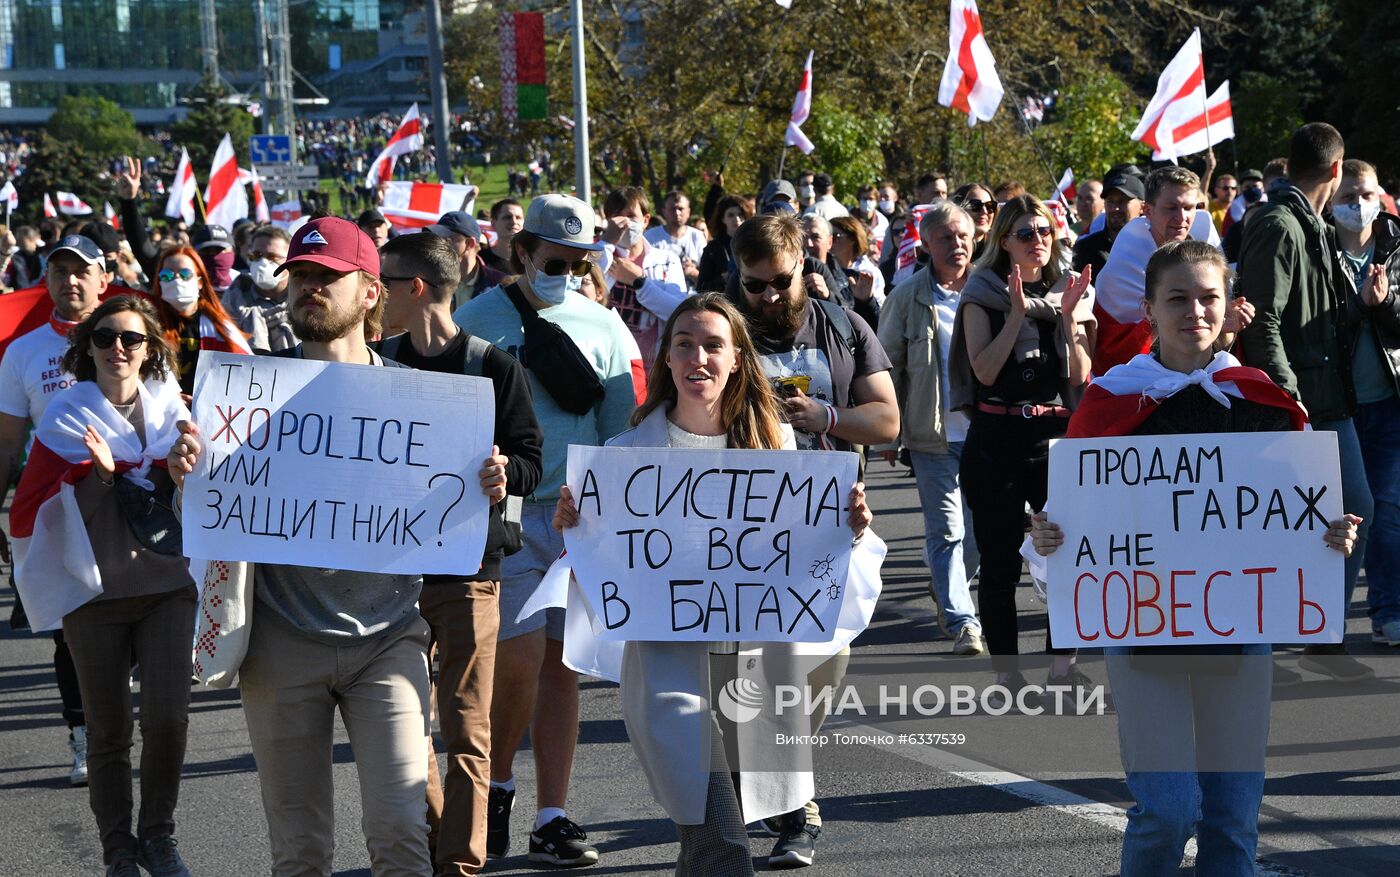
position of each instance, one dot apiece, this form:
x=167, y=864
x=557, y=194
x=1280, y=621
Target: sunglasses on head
x=102, y=339
x=754, y=286
x=1026, y=235
x=972, y=205
x=168, y=274
x=555, y=267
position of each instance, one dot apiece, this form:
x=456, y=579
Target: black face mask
x=1252, y=195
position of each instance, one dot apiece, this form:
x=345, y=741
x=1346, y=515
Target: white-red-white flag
x=410, y=206
x=409, y=138
x=285, y=213
x=970, y=81
x=1196, y=129
x=801, y=109
x=71, y=205
x=180, y=204
x=50, y=211
x=111, y=216
x=905, y=258
x=1065, y=190
x=225, y=198
x=1180, y=97
x=251, y=178
x=10, y=196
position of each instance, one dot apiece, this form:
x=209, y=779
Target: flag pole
x=199, y=204
x=782, y=157
x=753, y=96
x=1205, y=102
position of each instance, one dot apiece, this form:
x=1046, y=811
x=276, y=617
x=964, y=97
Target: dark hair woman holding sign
x=118, y=567
x=705, y=390
x=1192, y=731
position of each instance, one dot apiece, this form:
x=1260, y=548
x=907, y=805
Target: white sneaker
x=77, y=741
x=969, y=642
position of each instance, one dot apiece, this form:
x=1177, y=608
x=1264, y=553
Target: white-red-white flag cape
x=55, y=569
x=180, y=204
x=10, y=196
x=1065, y=190
x=50, y=211
x=411, y=206
x=970, y=81
x=409, y=138
x=1199, y=128
x=71, y=205
x=225, y=198
x=251, y=178
x=801, y=109
x=1176, y=120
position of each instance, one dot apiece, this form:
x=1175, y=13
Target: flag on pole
x=225, y=198
x=801, y=109
x=408, y=138
x=786, y=4
x=251, y=178
x=1065, y=190
x=49, y=211
x=1176, y=119
x=71, y=205
x=180, y=204
x=411, y=206
x=10, y=195
x=523, y=92
x=111, y=215
x=970, y=82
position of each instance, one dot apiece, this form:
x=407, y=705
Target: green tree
x=56, y=165
x=211, y=117
x=847, y=144
x=1094, y=120
x=94, y=124
x=1266, y=114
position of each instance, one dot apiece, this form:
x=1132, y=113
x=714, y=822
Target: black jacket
x=1091, y=250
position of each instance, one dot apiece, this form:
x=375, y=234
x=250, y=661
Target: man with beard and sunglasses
x=328, y=639
x=834, y=381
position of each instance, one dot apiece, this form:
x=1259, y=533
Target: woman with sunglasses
x=190, y=310
x=977, y=200
x=99, y=450
x=850, y=243
x=1023, y=337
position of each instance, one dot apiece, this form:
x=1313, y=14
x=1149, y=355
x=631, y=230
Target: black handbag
x=150, y=517
x=555, y=359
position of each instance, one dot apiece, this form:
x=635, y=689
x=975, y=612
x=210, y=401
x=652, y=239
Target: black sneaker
x=797, y=845
x=499, y=803
x=1286, y=677
x=1332, y=660
x=161, y=859
x=1077, y=680
x=124, y=864
x=561, y=842
x=1013, y=684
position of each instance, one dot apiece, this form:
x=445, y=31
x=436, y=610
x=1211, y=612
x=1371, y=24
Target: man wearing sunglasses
x=29, y=376
x=1223, y=194
x=645, y=282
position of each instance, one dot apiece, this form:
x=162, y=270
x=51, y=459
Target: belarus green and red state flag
x=522, y=65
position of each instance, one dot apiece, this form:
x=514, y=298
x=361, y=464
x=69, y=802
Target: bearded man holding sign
x=1191, y=728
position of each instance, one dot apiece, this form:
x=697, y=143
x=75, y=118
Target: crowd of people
x=959, y=329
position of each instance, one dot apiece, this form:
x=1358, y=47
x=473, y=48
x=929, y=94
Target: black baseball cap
x=1251, y=174
x=1129, y=184
x=103, y=235
x=371, y=217
x=211, y=237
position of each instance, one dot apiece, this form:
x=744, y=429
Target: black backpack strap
x=836, y=315
x=517, y=298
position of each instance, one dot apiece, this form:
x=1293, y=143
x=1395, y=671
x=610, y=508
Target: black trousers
x=68, y=690
x=1004, y=468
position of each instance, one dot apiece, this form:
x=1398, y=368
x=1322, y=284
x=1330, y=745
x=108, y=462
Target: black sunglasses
x=972, y=205
x=1026, y=235
x=555, y=267
x=105, y=338
x=754, y=286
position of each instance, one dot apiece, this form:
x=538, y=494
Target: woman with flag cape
x=1193, y=721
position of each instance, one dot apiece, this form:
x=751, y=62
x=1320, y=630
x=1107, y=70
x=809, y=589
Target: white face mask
x=261, y=271
x=628, y=239
x=180, y=293
x=866, y=205
x=1356, y=217
x=553, y=289
x=886, y=205
x=805, y=192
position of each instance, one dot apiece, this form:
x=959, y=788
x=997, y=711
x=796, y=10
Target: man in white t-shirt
x=678, y=236
x=916, y=329
x=30, y=374
x=645, y=283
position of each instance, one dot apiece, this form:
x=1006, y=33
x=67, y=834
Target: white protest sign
x=697, y=545
x=1195, y=539
x=353, y=467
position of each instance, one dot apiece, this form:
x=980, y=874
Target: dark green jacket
x=1290, y=269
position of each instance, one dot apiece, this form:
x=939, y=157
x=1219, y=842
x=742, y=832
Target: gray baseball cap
x=563, y=220
x=776, y=188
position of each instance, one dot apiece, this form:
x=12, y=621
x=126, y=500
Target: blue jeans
x=1176, y=734
x=1356, y=495
x=1378, y=429
x=949, y=549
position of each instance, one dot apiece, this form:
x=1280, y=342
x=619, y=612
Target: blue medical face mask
x=553, y=288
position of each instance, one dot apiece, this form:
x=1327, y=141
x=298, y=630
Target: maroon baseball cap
x=336, y=243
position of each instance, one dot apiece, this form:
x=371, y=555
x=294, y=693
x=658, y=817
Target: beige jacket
x=909, y=333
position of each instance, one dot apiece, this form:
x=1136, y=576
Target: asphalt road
x=1018, y=796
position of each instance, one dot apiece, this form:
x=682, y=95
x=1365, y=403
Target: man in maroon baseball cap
x=333, y=289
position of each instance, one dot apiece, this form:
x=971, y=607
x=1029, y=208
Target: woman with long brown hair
x=191, y=313
x=706, y=390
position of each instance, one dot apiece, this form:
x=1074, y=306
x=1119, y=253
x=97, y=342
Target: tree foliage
x=1095, y=116
x=58, y=165
x=95, y=125
x=211, y=117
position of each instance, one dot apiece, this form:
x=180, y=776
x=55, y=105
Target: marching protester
x=977, y=200
x=507, y=218
x=676, y=235
x=646, y=282
x=375, y=225
x=215, y=247
x=1192, y=736
x=1223, y=192
x=1123, y=194
x=1022, y=340
x=419, y=273
x=1305, y=328
x=100, y=444
x=707, y=390
x=717, y=259
x=191, y=312
x=582, y=385
x=1370, y=241
x=833, y=382
x=917, y=334
x=30, y=376
x=461, y=230
x=849, y=254
x=257, y=300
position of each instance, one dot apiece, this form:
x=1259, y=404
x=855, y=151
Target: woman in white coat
x=705, y=390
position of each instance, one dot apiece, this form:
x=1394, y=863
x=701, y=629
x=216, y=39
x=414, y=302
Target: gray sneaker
x=1387, y=634
x=77, y=744
x=969, y=642
x=160, y=857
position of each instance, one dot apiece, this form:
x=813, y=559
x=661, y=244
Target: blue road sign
x=270, y=149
